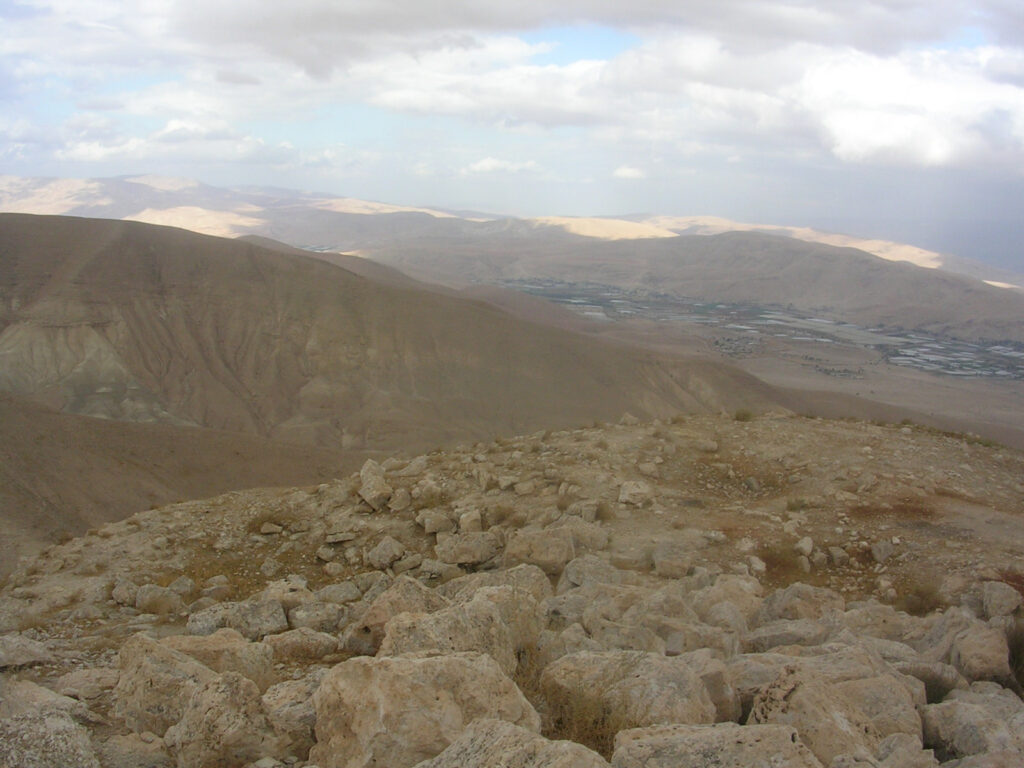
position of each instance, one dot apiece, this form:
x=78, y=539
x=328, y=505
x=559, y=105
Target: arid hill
x=136, y=322
x=61, y=474
x=737, y=267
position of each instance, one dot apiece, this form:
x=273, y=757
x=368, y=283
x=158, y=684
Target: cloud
x=629, y=172
x=494, y=165
x=399, y=92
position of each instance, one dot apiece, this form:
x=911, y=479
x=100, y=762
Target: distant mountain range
x=870, y=282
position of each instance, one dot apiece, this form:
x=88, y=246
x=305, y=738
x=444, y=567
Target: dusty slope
x=628, y=576
x=137, y=322
x=61, y=474
x=740, y=267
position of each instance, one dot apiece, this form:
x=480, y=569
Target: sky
x=901, y=119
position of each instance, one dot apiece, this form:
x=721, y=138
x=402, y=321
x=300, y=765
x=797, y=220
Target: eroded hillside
x=136, y=322
x=710, y=591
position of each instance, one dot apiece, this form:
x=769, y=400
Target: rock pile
x=437, y=612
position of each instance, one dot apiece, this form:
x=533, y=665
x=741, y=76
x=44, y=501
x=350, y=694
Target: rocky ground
x=716, y=591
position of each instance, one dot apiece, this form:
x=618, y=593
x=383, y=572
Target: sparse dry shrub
x=602, y=444
x=743, y=414
x=431, y=497
x=1015, y=639
x=797, y=504
x=581, y=716
x=604, y=511
x=1014, y=578
x=918, y=598
x=527, y=675
x=498, y=514
x=678, y=419
x=782, y=564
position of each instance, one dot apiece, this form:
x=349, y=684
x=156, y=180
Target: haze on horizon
x=901, y=119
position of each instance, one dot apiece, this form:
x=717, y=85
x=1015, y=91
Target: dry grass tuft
x=743, y=414
x=1014, y=578
x=1015, y=639
x=918, y=598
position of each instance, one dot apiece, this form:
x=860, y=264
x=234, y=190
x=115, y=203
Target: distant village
x=751, y=324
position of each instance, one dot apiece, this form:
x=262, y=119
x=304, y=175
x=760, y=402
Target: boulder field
x=714, y=591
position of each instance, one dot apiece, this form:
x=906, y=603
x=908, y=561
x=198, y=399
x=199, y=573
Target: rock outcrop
x=308, y=627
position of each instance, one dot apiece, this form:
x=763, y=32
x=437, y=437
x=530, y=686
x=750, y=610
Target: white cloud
x=629, y=172
x=494, y=165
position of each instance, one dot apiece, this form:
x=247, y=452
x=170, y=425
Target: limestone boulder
x=290, y=712
x=586, y=536
x=785, y=632
x=290, y=592
x=223, y=723
x=985, y=718
x=386, y=552
x=489, y=743
x=523, y=578
x=713, y=673
x=253, y=619
x=20, y=697
x=405, y=595
x=87, y=684
x=162, y=601
x=400, y=710
x=548, y=549
x=981, y=652
x=725, y=745
x=874, y=619
x=227, y=651
x=834, y=717
x=901, y=750
x=373, y=488
x=435, y=521
x=635, y=492
x=1000, y=599
x=16, y=650
x=801, y=601
x=340, y=594
x=743, y=592
x=588, y=569
x=630, y=688
x=473, y=626
x=471, y=548
x=154, y=683
x=303, y=644
x=134, y=750
x=317, y=615
x=938, y=678
x=672, y=559
x=44, y=739
x=521, y=613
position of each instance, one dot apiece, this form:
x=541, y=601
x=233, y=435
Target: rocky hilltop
x=713, y=591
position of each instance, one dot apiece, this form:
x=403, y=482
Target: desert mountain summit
x=707, y=592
